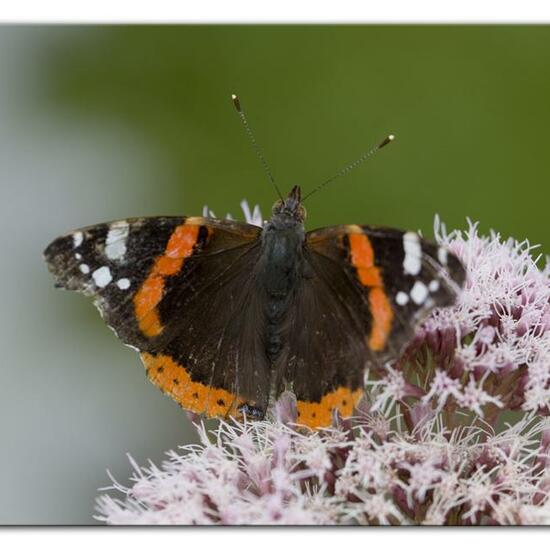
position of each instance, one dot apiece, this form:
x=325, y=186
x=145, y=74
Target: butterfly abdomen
x=281, y=270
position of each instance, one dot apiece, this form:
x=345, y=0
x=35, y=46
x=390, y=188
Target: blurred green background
x=100, y=123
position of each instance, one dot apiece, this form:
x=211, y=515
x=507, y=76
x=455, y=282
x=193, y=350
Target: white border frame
x=276, y=11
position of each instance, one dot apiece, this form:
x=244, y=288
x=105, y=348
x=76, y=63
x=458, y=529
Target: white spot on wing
x=123, y=284
x=102, y=276
x=78, y=237
x=84, y=268
x=78, y=256
x=115, y=244
x=419, y=292
x=402, y=298
x=413, y=253
x=434, y=285
x=442, y=255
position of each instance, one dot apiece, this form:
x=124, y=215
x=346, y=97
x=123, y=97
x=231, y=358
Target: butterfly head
x=290, y=210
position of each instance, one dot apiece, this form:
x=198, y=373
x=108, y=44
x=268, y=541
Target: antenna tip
x=389, y=139
x=236, y=102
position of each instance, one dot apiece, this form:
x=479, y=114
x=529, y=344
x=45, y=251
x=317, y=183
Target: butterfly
x=227, y=315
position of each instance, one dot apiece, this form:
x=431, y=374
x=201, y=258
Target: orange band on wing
x=145, y=302
x=382, y=314
x=175, y=380
x=319, y=414
x=362, y=258
x=180, y=246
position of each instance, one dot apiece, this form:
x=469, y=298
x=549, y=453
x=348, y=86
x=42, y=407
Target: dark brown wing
x=181, y=291
x=366, y=290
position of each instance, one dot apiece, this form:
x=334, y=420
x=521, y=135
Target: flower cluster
x=427, y=444
x=491, y=351
x=270, y=473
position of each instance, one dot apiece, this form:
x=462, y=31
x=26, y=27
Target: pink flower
x=268, y=473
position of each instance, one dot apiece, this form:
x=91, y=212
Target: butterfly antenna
x=258, y=151
x=353, y=165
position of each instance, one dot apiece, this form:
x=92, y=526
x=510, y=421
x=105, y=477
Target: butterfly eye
x=302, y=212
x=277, y=207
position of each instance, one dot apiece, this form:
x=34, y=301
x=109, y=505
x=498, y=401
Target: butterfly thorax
x=282, y=259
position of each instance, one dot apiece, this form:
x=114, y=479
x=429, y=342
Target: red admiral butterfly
x=227, y=315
